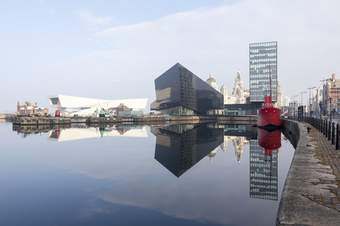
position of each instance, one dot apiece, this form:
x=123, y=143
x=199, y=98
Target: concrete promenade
x=311, y=195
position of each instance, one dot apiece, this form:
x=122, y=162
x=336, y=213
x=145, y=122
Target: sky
x=115, y=49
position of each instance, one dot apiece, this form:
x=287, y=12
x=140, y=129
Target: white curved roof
x=81, y=102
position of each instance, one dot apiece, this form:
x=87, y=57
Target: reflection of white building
x=80, y=106
x=71, y=134
x=238, y=143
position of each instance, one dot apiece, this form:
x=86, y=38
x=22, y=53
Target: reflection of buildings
x=180, y=92
x=31, y=129
x=263, y=172
x=71, y=134
x=238, y=135
x=178, y=148
x=238, y=144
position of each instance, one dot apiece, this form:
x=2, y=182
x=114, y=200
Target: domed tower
x=238, y=90
x=212, y=82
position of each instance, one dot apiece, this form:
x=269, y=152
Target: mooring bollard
x=333, y=133
x=337, y=137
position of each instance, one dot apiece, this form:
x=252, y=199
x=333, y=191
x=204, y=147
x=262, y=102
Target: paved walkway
x=312, y=191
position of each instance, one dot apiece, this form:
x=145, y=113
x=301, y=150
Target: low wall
x=309, y=181
x=291, y=130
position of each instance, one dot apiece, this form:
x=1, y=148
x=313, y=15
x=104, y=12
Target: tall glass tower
x=263, y=70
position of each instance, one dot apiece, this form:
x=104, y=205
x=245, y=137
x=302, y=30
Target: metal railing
x=329, y=129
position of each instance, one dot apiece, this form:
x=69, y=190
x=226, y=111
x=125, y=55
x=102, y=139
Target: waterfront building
x=331, y=95
x=317, y=101
x=263, y=173
x=263, y=71
x=212, y=82
x=239, y=92
x=180, y=92
x=282, y=100
x=29, y=108
x=228, y=99
x=85, y=107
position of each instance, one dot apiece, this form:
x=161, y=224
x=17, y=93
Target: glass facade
x=263, y=71
x=180, y=92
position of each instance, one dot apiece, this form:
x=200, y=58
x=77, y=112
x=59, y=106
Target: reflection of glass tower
x=263, y=173
x=178, y=149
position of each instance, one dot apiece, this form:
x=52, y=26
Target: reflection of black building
x=263, y=173
x=180, y=147
x=180, y=92
x=242, y=109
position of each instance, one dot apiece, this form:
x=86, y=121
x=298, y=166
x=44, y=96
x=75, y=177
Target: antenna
x=270, y=81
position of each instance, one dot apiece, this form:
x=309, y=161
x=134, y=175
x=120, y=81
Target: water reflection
x=264, y=165
x=82, y=131
x=206, y=174
x=179, y=147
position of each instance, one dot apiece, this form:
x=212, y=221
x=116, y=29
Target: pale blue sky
x=114, y=49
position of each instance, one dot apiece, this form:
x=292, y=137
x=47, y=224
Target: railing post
x=333, y=133
x=337, y=137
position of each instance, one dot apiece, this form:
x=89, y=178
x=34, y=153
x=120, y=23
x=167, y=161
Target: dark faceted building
x=180, y=92
x=180, y=147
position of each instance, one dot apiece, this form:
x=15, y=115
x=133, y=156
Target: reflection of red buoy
x=269, y=140
x=269, y=116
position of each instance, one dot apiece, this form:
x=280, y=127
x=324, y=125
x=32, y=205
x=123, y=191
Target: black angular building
x=180, y=92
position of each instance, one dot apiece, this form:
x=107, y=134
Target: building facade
x=239, y=92
x=331, y=95
x=263, y=71
x=180, y=92
x=28, y=108
x=212, y=82
x=81, y=106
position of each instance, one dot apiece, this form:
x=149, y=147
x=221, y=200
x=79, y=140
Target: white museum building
x=81, y=106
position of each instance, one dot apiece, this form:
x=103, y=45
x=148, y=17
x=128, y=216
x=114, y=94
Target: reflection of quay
x=71, y=134
x=180, y=147
x=82, y=131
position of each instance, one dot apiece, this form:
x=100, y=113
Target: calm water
x=127, y=175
